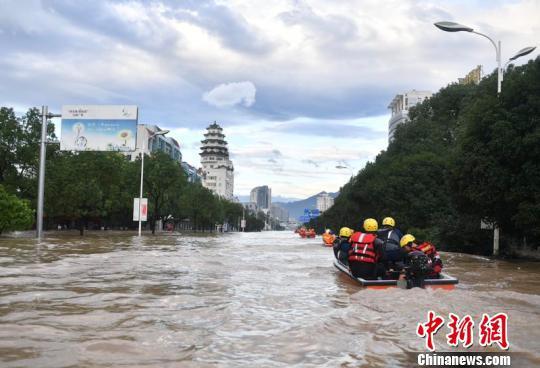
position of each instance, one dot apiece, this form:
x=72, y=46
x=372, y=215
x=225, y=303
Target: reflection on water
x=255, y=300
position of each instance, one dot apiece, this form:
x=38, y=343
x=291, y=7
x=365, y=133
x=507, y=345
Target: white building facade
x=217, y=168
x=324, y=201
x=161, y=143
x=400, y=108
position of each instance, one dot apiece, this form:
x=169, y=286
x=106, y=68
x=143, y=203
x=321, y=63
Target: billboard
x=99, y=128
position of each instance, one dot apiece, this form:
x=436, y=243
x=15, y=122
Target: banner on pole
x=243, y=224
x=144, y=209
x=99, y=128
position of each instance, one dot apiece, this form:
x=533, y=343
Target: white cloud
x=317, y=69
x=231, y=94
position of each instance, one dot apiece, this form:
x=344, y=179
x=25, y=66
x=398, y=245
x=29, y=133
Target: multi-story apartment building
x=400, y=108
x=156, y=143
x=324, y=201
x=192, y=173
x=251, y=207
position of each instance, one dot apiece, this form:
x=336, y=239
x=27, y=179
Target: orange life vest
x=363, y=248
x=427, y=248
x=328, y=239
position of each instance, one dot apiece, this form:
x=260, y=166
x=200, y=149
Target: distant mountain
x=245, y=198
x=296, y=208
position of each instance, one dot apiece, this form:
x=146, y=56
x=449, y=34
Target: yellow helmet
x=371, y=224
x=389, y=221
x=345, y=232
x=406, y=239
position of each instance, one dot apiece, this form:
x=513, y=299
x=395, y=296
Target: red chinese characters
x=430, y=328
x=460, y=330
x=494, y=330
x=490, y=330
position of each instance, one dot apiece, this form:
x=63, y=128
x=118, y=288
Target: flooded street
x=265, y=299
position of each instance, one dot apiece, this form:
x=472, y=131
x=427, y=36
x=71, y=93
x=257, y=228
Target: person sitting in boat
x=409, y=243
x=417, y=265
x=328, y=237
x=342, y=245
x=367, y=251
x=436, y=263
x=391, y=237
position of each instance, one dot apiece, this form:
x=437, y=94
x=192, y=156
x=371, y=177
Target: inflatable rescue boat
x=445, y=282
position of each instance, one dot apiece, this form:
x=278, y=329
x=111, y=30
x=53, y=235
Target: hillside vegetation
x=466, y=155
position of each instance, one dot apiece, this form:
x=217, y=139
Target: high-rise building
x=262, y=196
x=400, y=108
x=217, y=168
x=324, y=201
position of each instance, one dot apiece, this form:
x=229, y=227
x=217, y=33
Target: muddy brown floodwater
x=265, y=299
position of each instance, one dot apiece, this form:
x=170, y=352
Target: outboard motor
x=417, y=270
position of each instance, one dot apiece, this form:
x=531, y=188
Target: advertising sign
x=243, y=224
x=144, y=209
x=99, y=128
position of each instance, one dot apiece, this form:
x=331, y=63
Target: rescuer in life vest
x=417, y=263
x=366, y=252
x=328, y=237
x=342, y=245
x=409, y=244
x=436, y=263
x=391, y=237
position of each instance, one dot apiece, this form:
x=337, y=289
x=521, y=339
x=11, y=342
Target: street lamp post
x=161, y=132
x=456, y=27
x=45, y=116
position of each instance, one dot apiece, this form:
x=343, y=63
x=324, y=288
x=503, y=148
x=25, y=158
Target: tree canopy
x=98, y=188
x=466, y=155
x=15, y=214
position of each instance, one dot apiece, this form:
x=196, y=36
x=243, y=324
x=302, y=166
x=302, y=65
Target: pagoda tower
x=217, y=168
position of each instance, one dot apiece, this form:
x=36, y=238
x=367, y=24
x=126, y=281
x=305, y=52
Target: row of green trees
x=466, y=155
x=97, y=188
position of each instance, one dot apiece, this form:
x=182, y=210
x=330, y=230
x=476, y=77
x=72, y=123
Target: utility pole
x=45, y=116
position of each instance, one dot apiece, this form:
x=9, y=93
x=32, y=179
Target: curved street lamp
x=456, y=27
x=161, y=132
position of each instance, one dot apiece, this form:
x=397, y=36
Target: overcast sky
x=299, y=86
